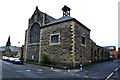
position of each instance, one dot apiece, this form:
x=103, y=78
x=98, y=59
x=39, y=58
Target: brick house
x=65, y=41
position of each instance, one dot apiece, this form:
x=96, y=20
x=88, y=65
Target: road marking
x=86, y=76
x=39, y=69
x=109, y=76
x=28, y=70
x=93, y=77
x=23, y=70
x=116, y=69
x=19, y=71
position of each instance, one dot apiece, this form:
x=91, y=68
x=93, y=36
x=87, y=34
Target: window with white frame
x=55, y=38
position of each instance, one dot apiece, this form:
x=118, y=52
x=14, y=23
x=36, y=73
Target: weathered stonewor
x=32, y=35
x=82, y=52
x=70, y=52
x=59, y=53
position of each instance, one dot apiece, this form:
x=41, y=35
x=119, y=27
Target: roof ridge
x=65, y=18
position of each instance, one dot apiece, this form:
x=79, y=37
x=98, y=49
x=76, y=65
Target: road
x=103, y=71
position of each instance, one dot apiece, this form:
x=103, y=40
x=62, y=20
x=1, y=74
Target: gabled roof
x=12, y=48
x=64, y=19
x=2, y=48
x=50, y=18
x=38, y=12
x=65, y=8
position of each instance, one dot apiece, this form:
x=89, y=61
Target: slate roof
x=38, y=12
x=63, y=19
x=50, y=18
x=59, y=20
x=2, y=49
x=12, y=48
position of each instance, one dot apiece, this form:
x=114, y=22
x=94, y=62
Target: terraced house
x=64, y=41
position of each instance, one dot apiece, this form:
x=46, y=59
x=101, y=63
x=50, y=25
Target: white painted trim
x=54, y=43
x=33, y=43
x=40, y=51
x=73, y=40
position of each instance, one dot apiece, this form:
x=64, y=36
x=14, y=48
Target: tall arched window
x=35, y=33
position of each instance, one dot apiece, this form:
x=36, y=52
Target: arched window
x=35, y=33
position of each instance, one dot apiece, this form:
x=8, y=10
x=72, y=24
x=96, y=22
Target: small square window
x=55, y=39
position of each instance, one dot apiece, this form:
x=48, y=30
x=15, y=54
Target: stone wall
x=69, y=51
x=25, y=45
x=98, y=53
x=32, y=47
x=32, y=43
x=93, y=50
x=33, y=52
x=82, y=52
x=61, y=53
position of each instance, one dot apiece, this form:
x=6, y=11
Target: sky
x=101, y=16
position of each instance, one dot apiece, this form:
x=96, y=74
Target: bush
x=44, y=59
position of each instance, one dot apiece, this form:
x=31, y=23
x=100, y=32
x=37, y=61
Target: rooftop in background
x=12, y=48
x=111, y=48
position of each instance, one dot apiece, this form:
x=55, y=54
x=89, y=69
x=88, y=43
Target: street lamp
x=82, y=44
x=81, y=64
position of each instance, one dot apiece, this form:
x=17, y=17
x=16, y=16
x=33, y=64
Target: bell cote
x=66, y=11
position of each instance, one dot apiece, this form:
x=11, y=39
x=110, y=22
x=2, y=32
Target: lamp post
x=82, y=44
x=81, y=65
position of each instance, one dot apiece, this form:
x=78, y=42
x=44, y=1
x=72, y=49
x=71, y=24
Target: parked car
x=18, y=60
x=5, y=58
x=11, y=59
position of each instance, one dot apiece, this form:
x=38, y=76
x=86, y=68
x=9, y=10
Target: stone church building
x=65, y=41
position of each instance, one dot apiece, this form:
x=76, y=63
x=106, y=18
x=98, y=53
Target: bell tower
x=66, y=11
